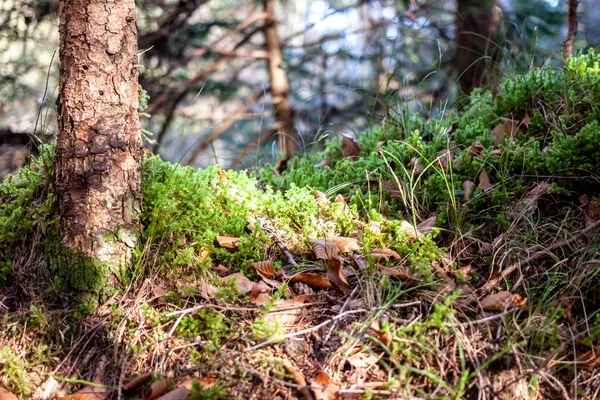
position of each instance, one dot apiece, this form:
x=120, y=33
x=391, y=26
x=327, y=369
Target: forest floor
x=430, y=258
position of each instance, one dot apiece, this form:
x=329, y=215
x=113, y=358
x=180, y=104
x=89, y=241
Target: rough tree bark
x=477, y=40
x=99, y=146
x=283, y=111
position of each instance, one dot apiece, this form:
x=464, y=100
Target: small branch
x=492, y=283
x=571, y=28
x=290, y=258
x=342, y=310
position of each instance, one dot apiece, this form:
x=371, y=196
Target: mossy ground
x=512, y=184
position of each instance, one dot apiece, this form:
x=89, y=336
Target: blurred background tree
x=208, y=67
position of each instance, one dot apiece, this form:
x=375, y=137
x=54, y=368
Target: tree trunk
x=99, y=145
x=284, y=113
x=477, y=40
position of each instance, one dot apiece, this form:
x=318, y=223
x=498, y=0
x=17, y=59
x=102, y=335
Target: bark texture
x=99, y=146
x=478, y=47
x=283, y=111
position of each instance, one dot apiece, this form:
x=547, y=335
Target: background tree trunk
x=478, y=50
x=282, y=107
x=99, y=147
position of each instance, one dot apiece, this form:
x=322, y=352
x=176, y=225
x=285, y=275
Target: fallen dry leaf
x=265, y=268
x=207, y=290
x=222, y=174
x=468, y=187
x=88, y=393
x=339, y=199
x=476, y=149
x=374, y=227
x=506, y=128
x=228, y=242
x=410, y=231
x=336, y=276
x=315, y=281
x=325, y=163
x=239, y=282
x=393, y=189
x=323, y=250
x=388, y=252
x=415, y=165
x=500, y=301
x=222, y=270
x=362, y=360
x=324, y=388
x=344, y=244
x=181, y=393
x=444, y=158
x=350, y=148
x=6, y=395
x=158, y=388
x=258, y=289
x=401, y=274
x=320, y=197
x=484, y=181
x=137, y=382
x=427, y=225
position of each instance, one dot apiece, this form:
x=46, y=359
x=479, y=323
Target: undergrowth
x=537, y=144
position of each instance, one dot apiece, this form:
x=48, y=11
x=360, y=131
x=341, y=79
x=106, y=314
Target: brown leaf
x=525, y=121
x=258, y=289
x=506, y=128
x=137, y=382
x=324, y=388
x=222, y=174
x=427, y=225
x=207, y=290
x=496, y=153
x=362, y=360
x=157, y=389
x=344, y=244
x=323, y=250
x=389, y=252
x=399, y=273
x=393, y=189
x=410, y=230
x=350, y=148
x=415, y=165
x=484, y=181
x=325, y=163
x=6, y=395
x=203, y=253
x=476, y=149
x=88, y=393
x=374, y=227
x=181, y=393
x=589, y=360
x=379, y=145
x=265, y=268
x=336, y=276
x=468, y=187
x=500, y=301
x=222, y=270
x=240, y=283
x=228, y=242
x=339, y=199
x=313, y=280
x=320, y=197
